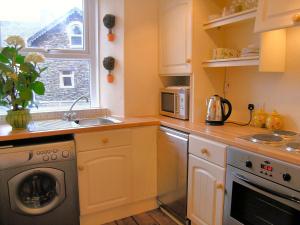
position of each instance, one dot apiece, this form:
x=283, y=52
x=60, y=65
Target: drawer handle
x=204, y=151
x=220, y=186
x=296, y=18
x=188, y=61
x=80, y=168
x=105, y=140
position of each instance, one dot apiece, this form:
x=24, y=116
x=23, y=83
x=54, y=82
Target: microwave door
x=168, y=102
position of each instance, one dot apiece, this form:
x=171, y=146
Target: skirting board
x=119, y=213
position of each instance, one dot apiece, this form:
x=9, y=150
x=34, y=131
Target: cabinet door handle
x=80, y=167
x=296, y=18
x=204, y=151
x=188, y=61
x=104, y=140
x=220, y=186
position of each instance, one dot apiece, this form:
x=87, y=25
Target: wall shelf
x=234, y=18
x=232, y=62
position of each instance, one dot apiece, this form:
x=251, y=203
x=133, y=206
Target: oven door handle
x=267, y=190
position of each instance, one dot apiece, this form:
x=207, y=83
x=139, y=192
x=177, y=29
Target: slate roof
x=50, y=26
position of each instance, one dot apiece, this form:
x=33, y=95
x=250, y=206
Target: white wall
x=278, y=91
x=112, y=95
x=136, y=86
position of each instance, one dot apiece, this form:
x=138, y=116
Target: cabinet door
x=105, y=179
x=175, y=36
x=205, y=192
x=277, y=14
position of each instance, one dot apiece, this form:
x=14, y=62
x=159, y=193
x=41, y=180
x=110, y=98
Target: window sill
x=58, y=114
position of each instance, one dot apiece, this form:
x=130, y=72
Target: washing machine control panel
x=35, y=154
x=53, y=153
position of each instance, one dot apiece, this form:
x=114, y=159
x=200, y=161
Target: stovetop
x=280, y=139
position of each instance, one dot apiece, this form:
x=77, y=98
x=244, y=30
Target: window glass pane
x=66, y=72
x=67, y=81
x=43, y=24
x=57, y=98
x=76, y=40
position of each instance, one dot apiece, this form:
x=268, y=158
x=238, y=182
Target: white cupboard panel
x=277, y=14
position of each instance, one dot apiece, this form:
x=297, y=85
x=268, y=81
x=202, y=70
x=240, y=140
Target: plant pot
x=18, y=119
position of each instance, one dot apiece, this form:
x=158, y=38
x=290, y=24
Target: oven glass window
x=252, y=208
x=37, y=190
x=167, y=102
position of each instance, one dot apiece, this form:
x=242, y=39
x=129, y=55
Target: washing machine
x=38, y=182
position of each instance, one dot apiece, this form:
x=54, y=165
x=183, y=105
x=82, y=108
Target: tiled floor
x=155, y=217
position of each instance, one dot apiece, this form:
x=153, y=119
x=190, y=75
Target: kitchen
x=117, y=159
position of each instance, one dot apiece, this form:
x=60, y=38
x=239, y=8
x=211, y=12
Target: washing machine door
x=37, y=191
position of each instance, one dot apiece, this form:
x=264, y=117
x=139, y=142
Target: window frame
x=90, y=51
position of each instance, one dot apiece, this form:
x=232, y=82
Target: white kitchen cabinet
x=105, y=178
x=120, y=172
x=175, y=37
x=277, y=14
x=205, y=192
x=207, y=161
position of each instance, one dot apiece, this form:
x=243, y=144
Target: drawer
x=104, y=139
x=209, y=150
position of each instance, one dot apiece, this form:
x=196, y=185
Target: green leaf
x=8, y=86
x=43, y=69
x=9, y=52
x=27, y=67
x=39, y=88
x=3, y=58
x=20, y=59
x=18, y=102
x=3, y=103
x=26, y=94
x=5, y=68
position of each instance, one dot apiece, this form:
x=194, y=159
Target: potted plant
x=19, y=81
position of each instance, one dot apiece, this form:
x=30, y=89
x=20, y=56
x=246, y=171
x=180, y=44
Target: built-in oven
x=260, y=190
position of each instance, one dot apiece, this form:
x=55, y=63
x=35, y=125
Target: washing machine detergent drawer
x=40, y=195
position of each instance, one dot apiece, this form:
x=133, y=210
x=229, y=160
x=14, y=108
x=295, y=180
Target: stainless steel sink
x=97, y=121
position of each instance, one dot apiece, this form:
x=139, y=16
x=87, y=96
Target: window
x=66, y=79
x=67, y=36
x=76, y=35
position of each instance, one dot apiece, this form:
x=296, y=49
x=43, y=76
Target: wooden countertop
x=7, y=134
x=229, y=134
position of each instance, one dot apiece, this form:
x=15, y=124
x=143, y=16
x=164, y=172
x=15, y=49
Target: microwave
x=174, y=102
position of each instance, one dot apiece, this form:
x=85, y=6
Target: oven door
x=252, y=200
x=168, y=103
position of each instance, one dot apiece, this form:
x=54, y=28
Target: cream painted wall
x=205, y=82
x=142, y=82
x=112, y=95
x=136, y=87
x=279, y=91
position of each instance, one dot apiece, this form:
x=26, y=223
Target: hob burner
x=284, y=133
x=293, y=146
x=266, y=139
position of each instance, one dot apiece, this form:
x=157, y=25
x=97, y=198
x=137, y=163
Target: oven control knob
x=248, y=164
x=286, y=177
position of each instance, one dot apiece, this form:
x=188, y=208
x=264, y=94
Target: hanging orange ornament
x=111, y=37
x=110, y=78
x=109, y=65
x=109, y=22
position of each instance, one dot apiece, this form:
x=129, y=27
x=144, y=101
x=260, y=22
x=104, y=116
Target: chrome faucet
x=71, y=115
